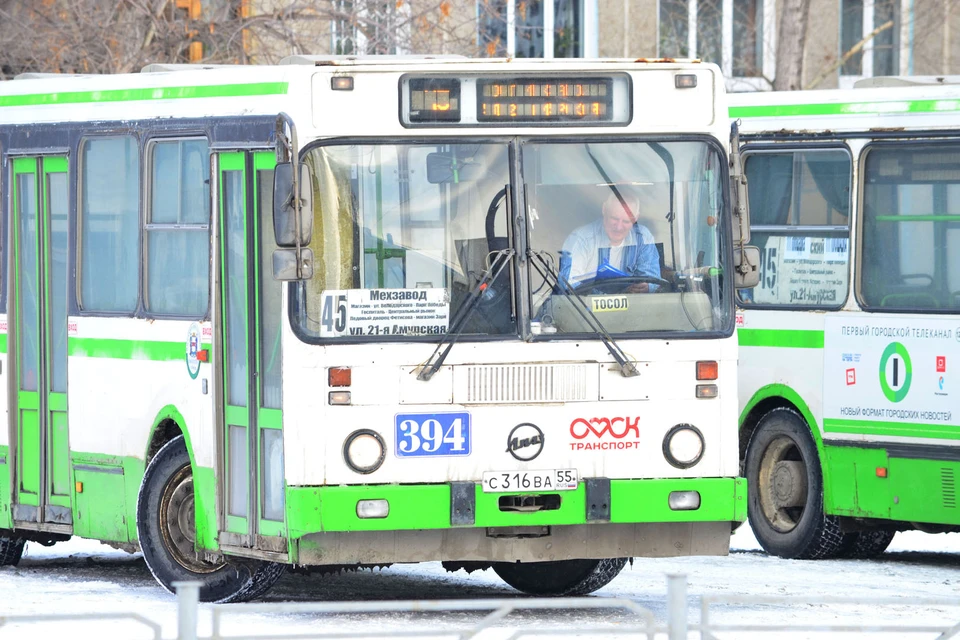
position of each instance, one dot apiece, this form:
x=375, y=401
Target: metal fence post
x=188, y=602
x=677, y=607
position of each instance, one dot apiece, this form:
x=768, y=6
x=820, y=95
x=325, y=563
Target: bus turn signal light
x=338, y=376
x=203, y=355
x=881, y=472
x=708, y=370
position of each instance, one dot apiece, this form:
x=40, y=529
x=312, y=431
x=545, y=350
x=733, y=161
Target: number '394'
x=433, y=434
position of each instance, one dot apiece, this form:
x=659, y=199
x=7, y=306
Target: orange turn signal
x=881, y=472
x=708, y=370
x=338, y=376
x=203, y=355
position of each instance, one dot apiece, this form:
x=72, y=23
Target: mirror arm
x=738, y=179
x=288, y=148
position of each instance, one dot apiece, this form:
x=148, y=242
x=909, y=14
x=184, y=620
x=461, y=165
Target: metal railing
x=638, y=621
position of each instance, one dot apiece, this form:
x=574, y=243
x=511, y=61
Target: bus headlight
x=683, y=446
x=364, y=451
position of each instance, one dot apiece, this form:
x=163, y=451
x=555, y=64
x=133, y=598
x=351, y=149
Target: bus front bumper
x=635, y=515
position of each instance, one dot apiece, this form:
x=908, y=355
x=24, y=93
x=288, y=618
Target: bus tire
x=167, y=531
x=785, y=501
x=11, y=550
x=863, y=545
x=559, y=578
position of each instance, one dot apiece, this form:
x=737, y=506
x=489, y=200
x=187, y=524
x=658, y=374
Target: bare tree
x=790, y=44
x=118, y=36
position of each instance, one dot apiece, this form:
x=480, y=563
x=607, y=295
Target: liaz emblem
x=525, y=441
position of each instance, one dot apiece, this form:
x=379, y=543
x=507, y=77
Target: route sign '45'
x=433, y=434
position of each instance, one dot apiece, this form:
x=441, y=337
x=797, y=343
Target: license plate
x=544, y=480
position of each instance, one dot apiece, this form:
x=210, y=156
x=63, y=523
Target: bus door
x=251, y=482
x=37, y=344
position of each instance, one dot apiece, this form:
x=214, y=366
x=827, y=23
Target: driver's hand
x=640, y=287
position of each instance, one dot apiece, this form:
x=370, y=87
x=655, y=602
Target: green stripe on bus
x=909, y=218
x=128, y=349
x=334, y=508
x=149, y=93
x=845, y=108
x=795, y=338
x=882, y=428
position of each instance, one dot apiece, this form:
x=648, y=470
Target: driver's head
x=617, y=219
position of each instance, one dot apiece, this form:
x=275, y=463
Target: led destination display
x=545, y=99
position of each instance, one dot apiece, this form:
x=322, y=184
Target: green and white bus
x=850, y=345
x=321, y=314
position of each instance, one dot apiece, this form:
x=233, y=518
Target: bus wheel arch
x=786, y=500
x=165, y=511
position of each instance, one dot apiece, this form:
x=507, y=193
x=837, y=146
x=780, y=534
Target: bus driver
x=616, y=245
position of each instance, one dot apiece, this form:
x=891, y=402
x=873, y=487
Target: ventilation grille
x=526, y=383
x=949, y=485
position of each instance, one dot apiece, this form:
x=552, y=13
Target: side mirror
x=746, y=267
x=285, y=264
x=285, y=199
x=738, y=189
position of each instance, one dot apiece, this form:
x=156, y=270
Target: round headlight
x=683, y=446
x=364, y=451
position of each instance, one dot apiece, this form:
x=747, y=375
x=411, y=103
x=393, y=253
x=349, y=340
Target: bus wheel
x=11, y=550
x=785, y=506
x=167, y=531
x=866, y=544
x=560, y=578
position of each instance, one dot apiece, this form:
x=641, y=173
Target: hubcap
x=782, y=484
x=178, y=523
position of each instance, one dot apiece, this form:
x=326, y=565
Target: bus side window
x=177, y=224
x=800, y=217
x=109, y=224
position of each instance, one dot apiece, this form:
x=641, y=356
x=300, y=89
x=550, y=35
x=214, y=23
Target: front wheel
x=560, y=578
x=785, y=504
x=167, y=531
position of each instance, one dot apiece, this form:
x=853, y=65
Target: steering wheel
x=617, y=285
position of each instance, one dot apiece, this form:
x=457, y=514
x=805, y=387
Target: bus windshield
x=632, y=229
x=404, y=233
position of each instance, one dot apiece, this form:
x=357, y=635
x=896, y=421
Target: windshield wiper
x=627, y=368
x=432, y=365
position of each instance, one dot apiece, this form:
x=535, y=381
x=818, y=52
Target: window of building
x=880, y=52
x=730, y=33
x=800, y=215
x=109, y=224
x=531, y=28
x=911, y=228
x=343, y=29
x=177, y=229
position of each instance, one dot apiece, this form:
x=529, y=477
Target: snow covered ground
x=82, y=576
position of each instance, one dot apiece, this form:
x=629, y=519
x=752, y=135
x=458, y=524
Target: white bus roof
x=918, y=106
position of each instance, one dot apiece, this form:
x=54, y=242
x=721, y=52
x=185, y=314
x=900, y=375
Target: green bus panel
x=924, y=491
x=912, y=491
x=59, y=458
x=100, y=508
x=855, y=488
x=6, y=512
x=29, y=446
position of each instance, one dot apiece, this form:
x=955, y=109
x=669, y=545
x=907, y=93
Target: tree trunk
x=790, y=41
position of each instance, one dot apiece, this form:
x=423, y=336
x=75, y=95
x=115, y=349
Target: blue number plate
x=433, y=434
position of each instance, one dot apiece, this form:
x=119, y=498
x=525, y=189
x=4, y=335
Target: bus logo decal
x=896, y=372
x=581, y=428
x=193, y=346
x=525, y=441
